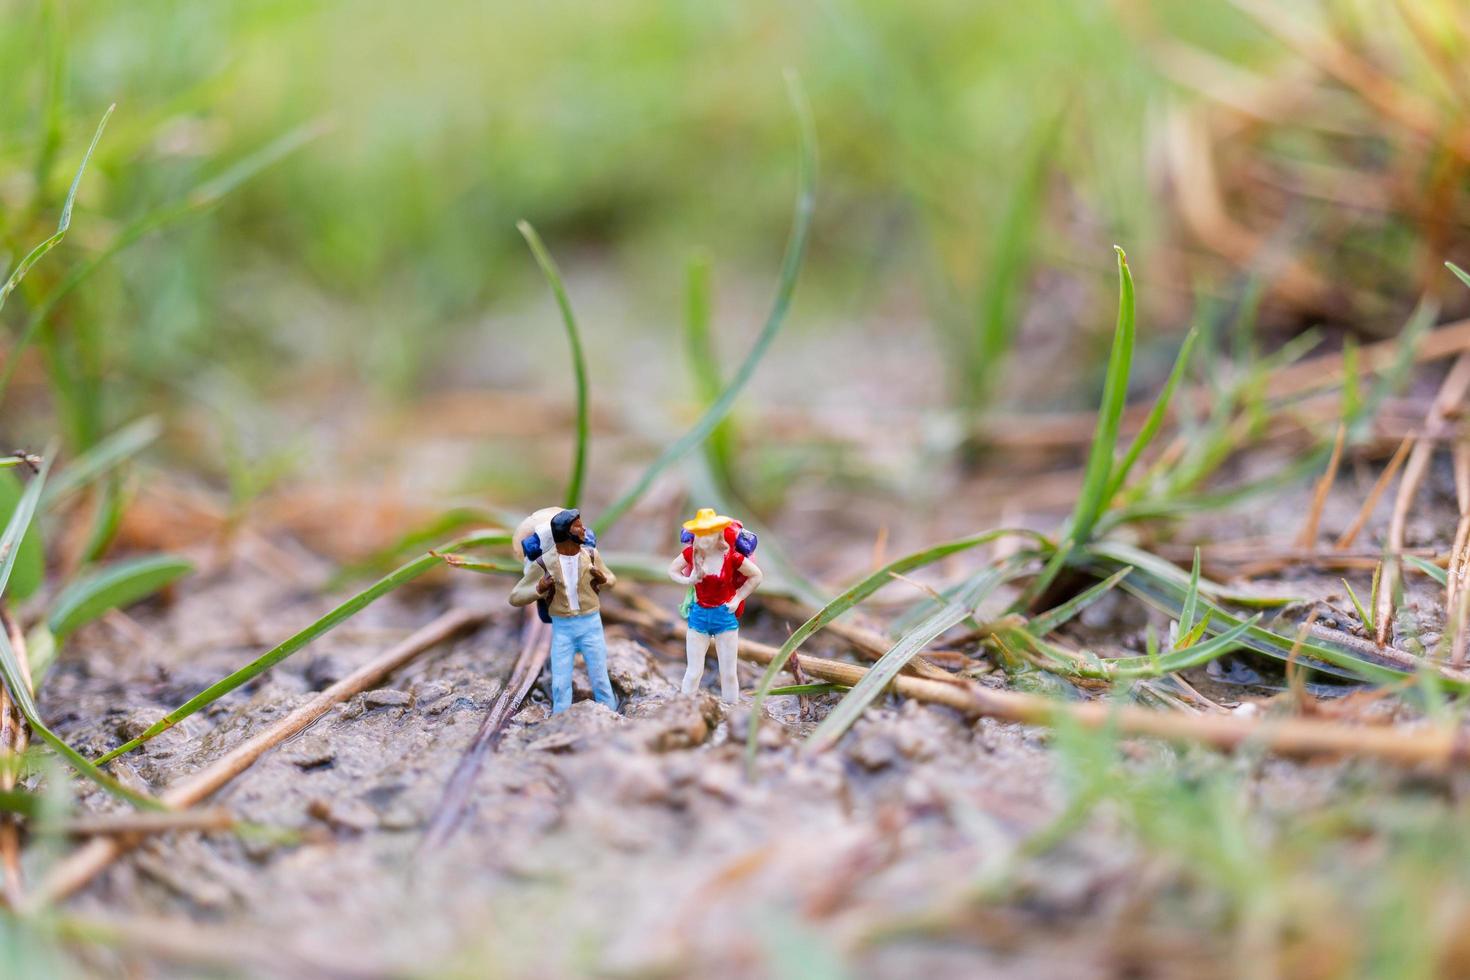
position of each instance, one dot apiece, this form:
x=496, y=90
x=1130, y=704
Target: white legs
x=727, y=644
x=727, y=649
x=695, y=645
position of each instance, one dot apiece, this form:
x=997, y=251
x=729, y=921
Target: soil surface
x=634, y=843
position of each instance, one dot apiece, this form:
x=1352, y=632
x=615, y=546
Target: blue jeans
x=571, y=635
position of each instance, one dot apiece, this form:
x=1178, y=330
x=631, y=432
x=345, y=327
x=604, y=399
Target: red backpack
x=740, y=542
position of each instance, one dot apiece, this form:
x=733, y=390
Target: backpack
x=740, y=541
x=536, y=547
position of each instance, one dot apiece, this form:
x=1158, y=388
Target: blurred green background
x=633, y=131
x=977, y=161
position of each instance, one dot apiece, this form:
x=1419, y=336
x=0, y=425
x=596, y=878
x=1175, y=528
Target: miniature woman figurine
x=716, y=564
x=563, y=575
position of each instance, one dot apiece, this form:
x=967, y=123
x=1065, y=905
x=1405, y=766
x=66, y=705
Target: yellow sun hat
x=706, y=521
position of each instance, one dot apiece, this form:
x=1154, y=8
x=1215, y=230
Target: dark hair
x=561, y=524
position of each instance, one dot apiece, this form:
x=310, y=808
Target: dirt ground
x=623, y=844
x=632, y=843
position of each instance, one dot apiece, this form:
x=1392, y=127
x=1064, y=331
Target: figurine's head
x=710, y=529
x=567, y=526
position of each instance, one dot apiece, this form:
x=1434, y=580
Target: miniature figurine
x=564, y=574
x=716, y=564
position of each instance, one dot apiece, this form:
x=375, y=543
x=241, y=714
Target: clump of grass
x=10, y=668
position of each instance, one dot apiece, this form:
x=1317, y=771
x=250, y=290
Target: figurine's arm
x=602, y=576
x=753, y=576
x=681, y=571
x=528, y=589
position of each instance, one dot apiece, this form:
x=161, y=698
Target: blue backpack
x=535, y=550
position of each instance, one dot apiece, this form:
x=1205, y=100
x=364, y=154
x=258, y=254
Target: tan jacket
x=550, y=564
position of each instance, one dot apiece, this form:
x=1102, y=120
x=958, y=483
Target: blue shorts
x=711, y=621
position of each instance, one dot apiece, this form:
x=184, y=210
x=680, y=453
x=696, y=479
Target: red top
x=716, y=590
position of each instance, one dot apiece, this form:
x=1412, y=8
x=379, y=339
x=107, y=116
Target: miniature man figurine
x=716, y=563
x=568, y=577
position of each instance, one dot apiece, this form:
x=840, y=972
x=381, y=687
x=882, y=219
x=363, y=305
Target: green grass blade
x=579, y=360
x=849, y=598
x=1037, y=587
x=1459, y=272
x=785, y=289
x=489, y=567
x=14, y=677
x=21, y=802
x=719, y=448
x=122, y=445
x=882, y=673
x=212, y=191
x=21, y=695
x=28, y=563
x=113, y=587
x=1191, y=599
x=201, y=198
x=19, y=524
x=1092, y=500
x=1363, y=616
x=1052, y=619
x=1189, y=639
x=293, y=643
x=1155, y=420
x=36, y=254
x=1428, y=568
x=415, y=540
x=1397, y=376
x=1011, y=254
x=1151, y=665
x=1162, y=586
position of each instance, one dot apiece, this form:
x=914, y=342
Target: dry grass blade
x=535, y=647
x=1454, y=592
x=856, y=594
x=216, y=818
x=87, y=862
x=1370, y=502
x=1446, y=403
x=1383, y=93
x=1439, y=746
x=1308, y=536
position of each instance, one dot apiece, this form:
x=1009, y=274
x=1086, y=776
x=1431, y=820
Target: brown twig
x=216, y=818
x=535, y=647
x=870, y=644
x=1455, y=594
x=1293, y=737
x=1451, y=393
x=82, y=865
